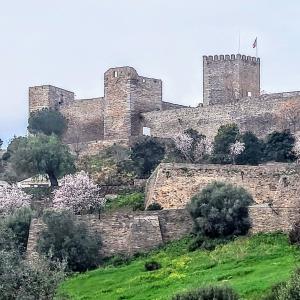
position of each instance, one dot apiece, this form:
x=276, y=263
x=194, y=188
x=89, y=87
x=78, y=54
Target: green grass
x=131, y=201
x=249, y=265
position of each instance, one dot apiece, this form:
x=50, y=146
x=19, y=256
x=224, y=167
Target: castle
x=133, y=105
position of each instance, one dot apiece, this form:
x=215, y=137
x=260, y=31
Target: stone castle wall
x=127, y=233
x=85, y=120
x=127, y=95
x=259, y=115
x=230, y=77
x=48, y=96
x=173, y=185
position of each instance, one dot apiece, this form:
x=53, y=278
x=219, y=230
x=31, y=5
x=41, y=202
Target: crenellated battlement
x=231, y=57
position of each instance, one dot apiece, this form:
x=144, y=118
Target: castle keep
x=133, y=105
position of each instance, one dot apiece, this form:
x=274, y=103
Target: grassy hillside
x=250, y=265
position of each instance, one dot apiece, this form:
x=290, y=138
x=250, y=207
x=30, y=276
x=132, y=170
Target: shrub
x=19, y=223
x=220, y=210
x=253, y=153
x=152, y=265
x=289, y=290
x=65, y=238
x=147, y=153
x=47, y=121
x=118, y=260
x=279, y=146
x=21, y=279
x=209, y=293
x=154, y=206
x=226, y=136
x=294, y=234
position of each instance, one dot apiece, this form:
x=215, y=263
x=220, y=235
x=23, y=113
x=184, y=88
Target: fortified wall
x=227, y=78
x=274, y=187
x=127, y=233
x=259, y=115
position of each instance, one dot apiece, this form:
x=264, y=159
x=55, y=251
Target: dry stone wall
x=127, y=232
x=173, y=185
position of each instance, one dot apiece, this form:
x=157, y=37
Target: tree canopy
x=147, y=154
x=42, y=154
x=220, y=210
x=279, y=146
x=47, y=121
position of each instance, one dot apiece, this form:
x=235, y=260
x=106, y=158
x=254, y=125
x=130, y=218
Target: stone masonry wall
x=127, y=95
x=259, y=115
x=230, y=77
x=128, y=233
x=48, y=96
x=85, y=120
x=173, y=185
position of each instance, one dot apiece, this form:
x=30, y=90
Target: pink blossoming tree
x=78, y=193
x=12, y=198
x=192, y=150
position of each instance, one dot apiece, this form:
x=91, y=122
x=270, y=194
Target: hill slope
x=251, y=265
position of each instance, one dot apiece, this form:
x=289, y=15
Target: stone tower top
x=228, y=78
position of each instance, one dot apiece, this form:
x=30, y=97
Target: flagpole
x=256, y=47
x=239, y=50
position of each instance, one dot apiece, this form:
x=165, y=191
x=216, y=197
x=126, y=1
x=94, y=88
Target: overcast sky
x=71, y=43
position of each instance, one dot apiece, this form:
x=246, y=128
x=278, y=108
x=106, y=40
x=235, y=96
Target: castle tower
x=229, y=78
x=48, y=96
x=126, y=95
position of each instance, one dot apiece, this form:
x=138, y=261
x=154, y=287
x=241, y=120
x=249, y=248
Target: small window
x=146, y=131
x=249, y=94
x=115, y=74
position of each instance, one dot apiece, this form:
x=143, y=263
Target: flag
x=255, y=43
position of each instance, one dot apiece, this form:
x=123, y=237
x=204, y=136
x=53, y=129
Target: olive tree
x=42, y=154
x=220, y=210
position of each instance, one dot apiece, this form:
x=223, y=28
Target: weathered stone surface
x=128, y=233
x=173, y=185
x=229, y=78
x=259, y=115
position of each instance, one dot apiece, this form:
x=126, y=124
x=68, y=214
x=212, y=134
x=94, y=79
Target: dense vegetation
x=251, y=266
x=220, y=210
x=47, y=121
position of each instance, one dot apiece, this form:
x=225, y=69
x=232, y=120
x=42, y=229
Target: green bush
x=254, y=150
x=152, y=265
x=279, y=146
x=220, y=210
x=154, y=206
x=289, y=290
x=21, y=279
x=147, y=153
x=19, y=223
x=226, y=135
x=48, y=122
x=133, y=201
x=65, y=238
x=209, y=293
x=294, y=234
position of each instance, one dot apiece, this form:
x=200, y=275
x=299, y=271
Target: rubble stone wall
x=173, y=185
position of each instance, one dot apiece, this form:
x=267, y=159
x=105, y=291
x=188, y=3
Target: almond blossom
x=77, y=193
x=12, y=198
x=296, y=148
x=236, y=149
